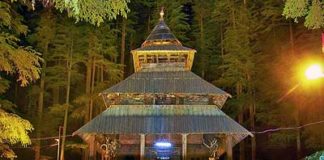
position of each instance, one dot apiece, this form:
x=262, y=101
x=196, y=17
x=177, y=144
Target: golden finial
x=161, y=13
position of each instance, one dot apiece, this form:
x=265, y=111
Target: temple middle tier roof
x=181, y=83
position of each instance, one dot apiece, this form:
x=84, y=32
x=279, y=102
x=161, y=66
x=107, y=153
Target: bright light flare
x=163, y=144
x=314, y=72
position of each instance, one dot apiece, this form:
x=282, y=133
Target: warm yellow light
x=314, y=72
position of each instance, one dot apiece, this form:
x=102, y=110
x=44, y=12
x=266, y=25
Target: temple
x=163, y=110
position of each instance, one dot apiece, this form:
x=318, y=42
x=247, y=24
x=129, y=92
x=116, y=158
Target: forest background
x=56, y=56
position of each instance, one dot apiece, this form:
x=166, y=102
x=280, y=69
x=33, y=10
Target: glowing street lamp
x=314, y=72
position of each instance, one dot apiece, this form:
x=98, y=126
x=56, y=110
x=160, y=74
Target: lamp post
x=58, y=148
x=313, y=72
x=58, y=140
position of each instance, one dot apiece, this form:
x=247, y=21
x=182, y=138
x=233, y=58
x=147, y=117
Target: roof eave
x=154, y=51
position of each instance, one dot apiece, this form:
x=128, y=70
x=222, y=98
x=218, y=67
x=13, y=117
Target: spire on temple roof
x=161, y=14
x=161, y=33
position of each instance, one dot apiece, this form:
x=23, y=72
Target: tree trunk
x=201, y=28
x=149, y=24
x=242, y=144
x=97, y=79
x=291, y=38
x=233, y=18
x=123, y=46
x=56, y=89
x=88, y=86
x=292, y=47
x=40, y=106
x=123, y=41
x=88, y=94
x=222, y=47
x=101, y=73
x=131, y=47
x=56, y=95
x=251, y=103
x=222, y=41
x=40, y=112
x=202, y=45
x=252, y=125
x=239, y=91
x=298, y=141
x=93, y=73
x=67, y=100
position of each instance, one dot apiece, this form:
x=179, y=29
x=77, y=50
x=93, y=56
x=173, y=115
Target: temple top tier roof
x=162, y=51
x=161, y=34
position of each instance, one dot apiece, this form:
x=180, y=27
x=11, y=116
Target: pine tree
x=43, y=37
x=205, y=28
x=313, y=12
x=66, y=53
x=94, y=12
x=101, y=70
x=15, y=60
x=242, y=26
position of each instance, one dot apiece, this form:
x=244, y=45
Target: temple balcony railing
x=164, y=99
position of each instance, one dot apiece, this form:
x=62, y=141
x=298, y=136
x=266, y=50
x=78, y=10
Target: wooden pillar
x=229, y=151
x=92, y=151
x=184, y=146
x=142, y=147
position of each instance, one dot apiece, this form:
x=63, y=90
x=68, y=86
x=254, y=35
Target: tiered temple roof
x=163, y=68
x=164, y=119
x=177, y=82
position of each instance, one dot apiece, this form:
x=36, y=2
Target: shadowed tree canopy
x=313, y=11
x=94, y=12
x=20, y=63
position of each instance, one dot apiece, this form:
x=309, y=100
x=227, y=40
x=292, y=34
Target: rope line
x=254, y=132
x=47, y=138
x=287, y=128
x=48, y=146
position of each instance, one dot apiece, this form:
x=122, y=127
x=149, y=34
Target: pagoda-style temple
x=163, y=110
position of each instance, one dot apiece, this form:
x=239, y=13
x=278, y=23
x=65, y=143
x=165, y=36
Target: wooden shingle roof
x=164, y=119
x=161, y=32
x=165, y=82
x=161, y=38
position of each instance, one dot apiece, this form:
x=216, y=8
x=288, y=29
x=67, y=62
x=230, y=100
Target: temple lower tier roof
x=164, y=119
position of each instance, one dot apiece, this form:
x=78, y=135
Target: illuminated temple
x=163, y=110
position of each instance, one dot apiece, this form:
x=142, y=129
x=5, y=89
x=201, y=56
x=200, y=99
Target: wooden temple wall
x=150, y=139
x=165, y=99
x=130, y=145
x=194, y=152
